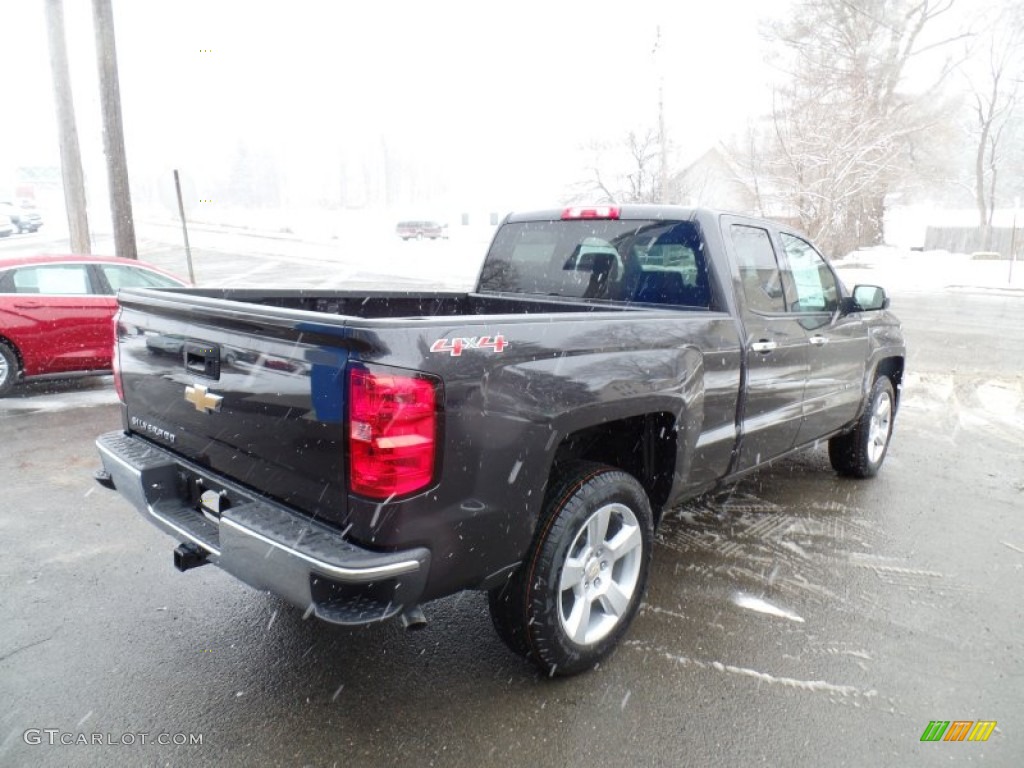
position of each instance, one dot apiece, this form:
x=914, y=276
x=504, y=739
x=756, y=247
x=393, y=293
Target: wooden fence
x=968, y=240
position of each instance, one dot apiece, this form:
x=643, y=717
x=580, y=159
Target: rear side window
x=647, y=262
x=53, y=280
x=759, y=269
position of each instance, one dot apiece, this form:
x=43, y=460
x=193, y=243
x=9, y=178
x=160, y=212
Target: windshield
x=645, y=262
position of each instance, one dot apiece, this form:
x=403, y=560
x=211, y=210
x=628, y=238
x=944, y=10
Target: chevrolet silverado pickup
x=360, y=454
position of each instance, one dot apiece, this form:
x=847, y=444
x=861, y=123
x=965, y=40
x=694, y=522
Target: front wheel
x=577, y=591
x=860, y=453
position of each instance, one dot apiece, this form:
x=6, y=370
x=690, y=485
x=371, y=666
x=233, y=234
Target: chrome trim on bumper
x=263, y=543
x=340, y=572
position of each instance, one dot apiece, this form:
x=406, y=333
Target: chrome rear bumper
x=265, y=544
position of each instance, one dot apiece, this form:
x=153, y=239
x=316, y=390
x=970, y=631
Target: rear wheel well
x=644, y=446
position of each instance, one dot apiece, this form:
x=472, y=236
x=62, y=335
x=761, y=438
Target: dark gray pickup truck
x=361, y=454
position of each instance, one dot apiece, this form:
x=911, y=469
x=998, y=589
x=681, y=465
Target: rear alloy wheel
x=582, y=581
x=860, y=453
x=8, y=369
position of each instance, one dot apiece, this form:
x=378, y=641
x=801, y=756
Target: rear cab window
x=632, y=261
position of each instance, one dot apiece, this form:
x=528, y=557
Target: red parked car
x=56, y=313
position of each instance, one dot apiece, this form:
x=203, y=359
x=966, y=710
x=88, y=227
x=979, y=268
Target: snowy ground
x=904, y=271
x=59, y=395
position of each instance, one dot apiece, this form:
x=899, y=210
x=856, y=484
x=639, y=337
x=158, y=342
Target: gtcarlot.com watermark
x=56, y=737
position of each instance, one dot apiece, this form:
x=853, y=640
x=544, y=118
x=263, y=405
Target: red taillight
x=592, y=212
x=115, y=364
x=392, y=433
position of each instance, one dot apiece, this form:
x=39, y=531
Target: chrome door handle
x=819, y=340
x=763, y=346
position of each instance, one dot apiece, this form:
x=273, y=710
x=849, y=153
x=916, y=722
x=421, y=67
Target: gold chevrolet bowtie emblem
x=201, y=398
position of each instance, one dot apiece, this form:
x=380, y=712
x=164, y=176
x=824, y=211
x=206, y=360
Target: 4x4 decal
x=456, y=346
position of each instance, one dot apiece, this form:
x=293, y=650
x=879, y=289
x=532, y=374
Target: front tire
x=581, y=583
x=860, y=453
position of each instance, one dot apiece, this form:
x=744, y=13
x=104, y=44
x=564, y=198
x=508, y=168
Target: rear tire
x=9, y=369
x=581, y=583
x=860, y=453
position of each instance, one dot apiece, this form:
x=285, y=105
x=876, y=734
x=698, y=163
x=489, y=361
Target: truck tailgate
x=260, y=400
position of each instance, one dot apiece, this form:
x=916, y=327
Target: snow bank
x=905, y=271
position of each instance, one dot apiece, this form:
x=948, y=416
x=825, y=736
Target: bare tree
x=635, y=168
x=995, y=97
x=843, y=119
x=624, y=172
x=644, y=179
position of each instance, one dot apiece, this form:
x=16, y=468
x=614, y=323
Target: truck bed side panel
x=506, y=414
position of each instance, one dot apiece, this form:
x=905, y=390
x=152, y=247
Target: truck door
x=776, y=347
x=838, y=344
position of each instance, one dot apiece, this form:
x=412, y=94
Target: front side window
x=814, y=284
x=53, y=280
x=132, y=277
x=647, y=262
x=759, y=269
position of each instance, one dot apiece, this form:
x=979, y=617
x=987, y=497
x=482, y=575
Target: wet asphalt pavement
x=797, y=619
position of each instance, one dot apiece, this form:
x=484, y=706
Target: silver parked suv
x=24, y=218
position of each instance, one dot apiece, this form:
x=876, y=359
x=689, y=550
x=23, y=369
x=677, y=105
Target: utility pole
x=70, y=157
x=113, y=131
x=663, y=166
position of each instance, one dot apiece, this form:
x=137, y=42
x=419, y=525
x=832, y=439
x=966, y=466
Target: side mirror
x=869, y=298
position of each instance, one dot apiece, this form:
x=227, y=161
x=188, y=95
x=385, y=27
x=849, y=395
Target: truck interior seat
x=669, y=287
